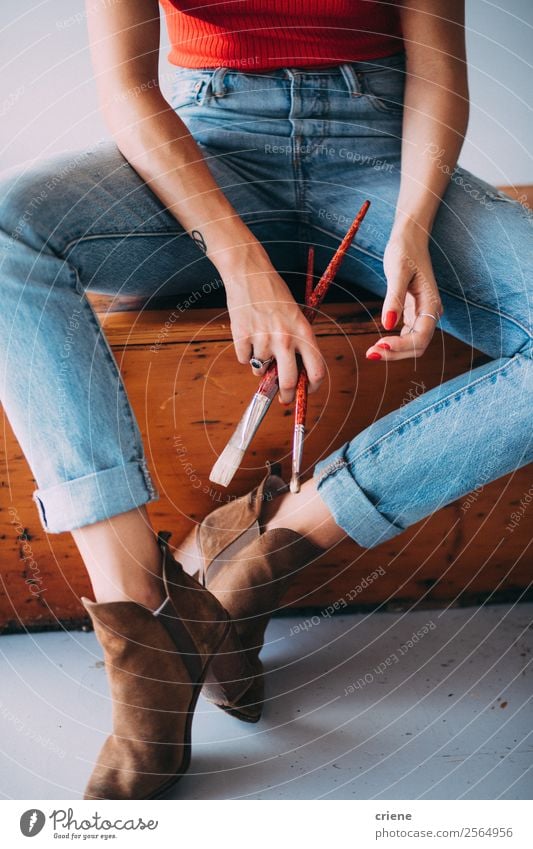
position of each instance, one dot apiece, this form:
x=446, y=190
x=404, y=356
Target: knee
x=25, y=214
x=39, y=205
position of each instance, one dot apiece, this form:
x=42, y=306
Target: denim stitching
x=134, y=235
x=337, y=464
x=127, y=411
x=500, y=314
x=423, y=414
x=350, y=79
x=295, y=137
x=119, y=235
x=152, y=491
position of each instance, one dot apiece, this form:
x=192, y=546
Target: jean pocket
x=189, y=87
x=384, y=88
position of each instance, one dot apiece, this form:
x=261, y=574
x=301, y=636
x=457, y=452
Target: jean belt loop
x=217, y=82
x=350, y=78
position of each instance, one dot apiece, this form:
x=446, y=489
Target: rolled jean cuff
x=350, y=507
x=92, y=498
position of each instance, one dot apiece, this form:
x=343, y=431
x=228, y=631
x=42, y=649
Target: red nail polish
x=390, y=320
x=384, y=345
x=373, y=356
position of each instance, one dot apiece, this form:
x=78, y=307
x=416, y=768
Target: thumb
x=399, y=271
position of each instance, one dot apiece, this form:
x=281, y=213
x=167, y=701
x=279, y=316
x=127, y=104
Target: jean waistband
x=348, y=70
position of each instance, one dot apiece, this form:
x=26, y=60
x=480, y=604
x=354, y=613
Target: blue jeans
x=296, y=152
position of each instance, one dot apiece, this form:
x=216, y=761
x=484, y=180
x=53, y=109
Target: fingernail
x=384, y=345
x=373, y=356
x=390, y=320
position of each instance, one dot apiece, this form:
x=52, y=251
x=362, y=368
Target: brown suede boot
x=156, y=664
x=249, y=572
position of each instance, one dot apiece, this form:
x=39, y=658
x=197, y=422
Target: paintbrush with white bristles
x=231, y=458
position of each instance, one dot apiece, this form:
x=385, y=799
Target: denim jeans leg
x=476, y=427
x=432, y=451
x=60, y=386
x=77, y=223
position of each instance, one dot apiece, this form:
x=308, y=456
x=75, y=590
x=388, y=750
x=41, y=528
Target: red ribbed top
x=259, y=35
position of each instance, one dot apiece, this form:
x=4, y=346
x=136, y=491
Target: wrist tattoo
x=199, y=240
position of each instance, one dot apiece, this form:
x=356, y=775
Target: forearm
x=160, y=148
x=435, y=109
x=124, y=39
x=265, y=319
x=435, y=121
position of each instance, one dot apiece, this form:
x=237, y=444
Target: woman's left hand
x=412, y=302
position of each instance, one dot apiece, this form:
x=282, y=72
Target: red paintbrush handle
x=327, y=278
x=269, y=382
x=300, y=412
x=309, y=275
x=319, y=292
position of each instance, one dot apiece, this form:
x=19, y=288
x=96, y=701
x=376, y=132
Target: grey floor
x=355, y=710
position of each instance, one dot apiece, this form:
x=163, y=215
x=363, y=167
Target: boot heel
x=231, y=681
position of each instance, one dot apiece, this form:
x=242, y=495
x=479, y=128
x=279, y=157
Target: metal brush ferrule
x=297, y=448
x=251, y=419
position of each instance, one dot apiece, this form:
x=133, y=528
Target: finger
x=243, y=348
x=259, y=372
x=262, y=350
x=409, y=312
x=411, y=343
x=287, y=373
x=399, y=273
x=314, y=365
x=424, y=326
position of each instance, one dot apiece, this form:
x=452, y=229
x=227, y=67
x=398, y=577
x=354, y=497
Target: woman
x=284, y=117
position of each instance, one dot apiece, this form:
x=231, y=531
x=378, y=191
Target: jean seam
x=457, y=297
x=126, y=406
x=144, y=494
x=295, y=136
x=137, y=455
x=119, y=235
x=336, y=466
x=123, y=235
x=499, y=313
x=143, y=464
x=457, y=394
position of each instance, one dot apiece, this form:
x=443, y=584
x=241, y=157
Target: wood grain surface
x=188, y=392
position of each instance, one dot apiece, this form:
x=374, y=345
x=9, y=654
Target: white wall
x=498, y=146
x=48, y=101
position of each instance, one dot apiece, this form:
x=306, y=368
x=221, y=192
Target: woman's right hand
x=267, y=322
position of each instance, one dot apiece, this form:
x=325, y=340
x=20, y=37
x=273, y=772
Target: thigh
x=89, y=207
x=92, y=209
x=355, y=158
x=481, y=248
x=482, y=252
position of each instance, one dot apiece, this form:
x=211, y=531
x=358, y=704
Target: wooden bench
x=188, y=392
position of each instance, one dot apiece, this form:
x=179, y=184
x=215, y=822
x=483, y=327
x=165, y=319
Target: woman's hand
x=267, y=322
x=412, y=302
x=435, y=117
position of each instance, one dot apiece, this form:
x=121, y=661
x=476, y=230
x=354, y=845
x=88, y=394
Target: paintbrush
x=231, y=457
x=302, y=387
x=300, y=413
